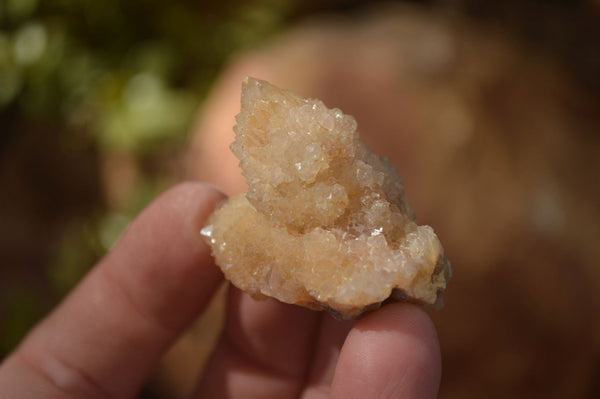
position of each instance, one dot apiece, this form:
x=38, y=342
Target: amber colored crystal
x=325, y=222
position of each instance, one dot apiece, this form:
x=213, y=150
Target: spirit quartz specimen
x=325, y=222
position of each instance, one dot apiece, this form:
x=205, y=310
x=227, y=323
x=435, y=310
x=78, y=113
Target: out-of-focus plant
x=124, y=78
x=128, y=72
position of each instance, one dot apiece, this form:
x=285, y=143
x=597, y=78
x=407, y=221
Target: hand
x=105, y=339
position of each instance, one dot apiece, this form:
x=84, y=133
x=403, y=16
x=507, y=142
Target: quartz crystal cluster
x=325, y=222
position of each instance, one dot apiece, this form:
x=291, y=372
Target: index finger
x=108, y=334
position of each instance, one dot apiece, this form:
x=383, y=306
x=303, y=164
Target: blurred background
x=490, y=110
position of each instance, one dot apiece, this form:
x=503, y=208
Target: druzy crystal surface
x=325, y=223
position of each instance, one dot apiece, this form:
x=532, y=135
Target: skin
x=106, y=337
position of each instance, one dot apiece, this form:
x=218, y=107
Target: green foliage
x=21, y=309
x=128, y=72
x=109, y=77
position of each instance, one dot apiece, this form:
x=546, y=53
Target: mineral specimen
x=325, y=222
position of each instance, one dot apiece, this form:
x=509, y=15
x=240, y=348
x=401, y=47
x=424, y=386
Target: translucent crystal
x=325, y=222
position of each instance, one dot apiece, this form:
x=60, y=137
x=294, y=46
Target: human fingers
x=330, y=338
x=391, y=353
x=107, y=335
x=264, y=352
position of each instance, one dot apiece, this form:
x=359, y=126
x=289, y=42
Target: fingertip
x=207, y=191
x=411, y=328
x=393, y=352
x=195, y=200
x=161, y=258
x=411, y=321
